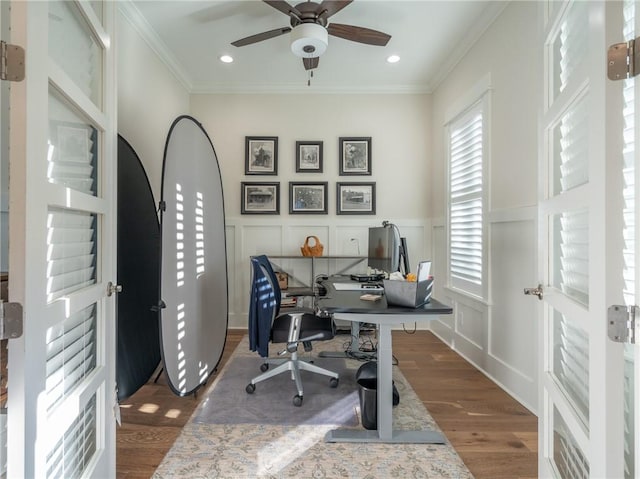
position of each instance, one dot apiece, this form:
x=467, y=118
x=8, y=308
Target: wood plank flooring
x=494, y=435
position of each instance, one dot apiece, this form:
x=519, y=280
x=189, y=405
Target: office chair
x=268, y=324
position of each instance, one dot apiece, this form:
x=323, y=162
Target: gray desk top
x=349, y=302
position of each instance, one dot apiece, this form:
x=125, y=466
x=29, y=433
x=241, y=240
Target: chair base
x=295, y=365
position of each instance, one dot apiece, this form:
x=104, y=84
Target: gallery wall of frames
x=307, y=197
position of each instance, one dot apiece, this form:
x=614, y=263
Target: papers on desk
x=356, y=287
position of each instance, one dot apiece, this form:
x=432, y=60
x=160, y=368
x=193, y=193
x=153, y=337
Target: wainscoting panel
x=279, y=236
x=261, y=239
x=351, y=240
x=513, y=325
x=470, y=318
x=498, y=336
x=444, y=327
x=513, y=321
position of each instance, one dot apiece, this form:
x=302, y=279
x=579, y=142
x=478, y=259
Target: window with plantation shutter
x=466, y=204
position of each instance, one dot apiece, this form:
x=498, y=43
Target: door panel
x=61, y=416
x=581, y=238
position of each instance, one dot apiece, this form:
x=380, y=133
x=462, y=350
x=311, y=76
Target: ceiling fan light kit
x=310, y=30
x=309, y=40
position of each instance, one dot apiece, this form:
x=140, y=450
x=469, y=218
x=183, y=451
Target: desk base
x=358, y=355
x=398, y=436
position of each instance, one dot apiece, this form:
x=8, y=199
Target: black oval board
x=139, y=274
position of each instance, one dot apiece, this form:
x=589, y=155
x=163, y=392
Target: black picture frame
x=261, y=155
x=355, y=156
x=259, y=198
x=309, y=156
x=308, y=198
x=356, y=198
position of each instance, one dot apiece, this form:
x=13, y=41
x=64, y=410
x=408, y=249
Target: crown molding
x=298, y=88
x=485, y=20
x=131, y=13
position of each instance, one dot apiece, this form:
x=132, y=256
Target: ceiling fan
x=310, y=29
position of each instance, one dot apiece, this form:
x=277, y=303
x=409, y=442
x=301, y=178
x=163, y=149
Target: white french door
x=62, y=241
x=586, y=222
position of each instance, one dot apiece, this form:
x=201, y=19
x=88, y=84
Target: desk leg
x=385, y=378
x=385, y=432
x=355, y=340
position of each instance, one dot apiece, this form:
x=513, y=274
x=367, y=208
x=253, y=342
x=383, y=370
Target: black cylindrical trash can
x=368, y=393
x=367, y=379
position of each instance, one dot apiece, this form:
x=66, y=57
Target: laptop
x=410, y=294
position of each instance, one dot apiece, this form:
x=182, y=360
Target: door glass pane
x=569, y=460
x=570, y=159
x=569, y=46
x=75, y=49
x=72, y=149
x=570, y=246
x=71, y=354
x=571, y=363
x=71, y=252
x=70, y=456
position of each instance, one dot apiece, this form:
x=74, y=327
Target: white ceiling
x=429, y=36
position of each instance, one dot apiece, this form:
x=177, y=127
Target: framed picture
x=355, y=156
x=260, y=198
x=308, y=157
x=261, y=155
x=356, y=199
x=308, y=198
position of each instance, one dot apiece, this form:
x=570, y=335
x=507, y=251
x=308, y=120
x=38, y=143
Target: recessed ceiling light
x=393, y=59
x=226, y=58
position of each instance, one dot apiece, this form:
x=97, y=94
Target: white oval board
x=194, y=261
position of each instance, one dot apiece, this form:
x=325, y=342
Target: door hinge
x=622, y=323
x=11, y=62
x=10, y=320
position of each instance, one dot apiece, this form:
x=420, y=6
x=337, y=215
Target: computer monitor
x=384, y=248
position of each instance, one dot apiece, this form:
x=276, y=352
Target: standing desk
x=348, y=306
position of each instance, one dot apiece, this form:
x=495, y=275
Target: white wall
x=149, y=99
x=399, y=126
x=498, y=335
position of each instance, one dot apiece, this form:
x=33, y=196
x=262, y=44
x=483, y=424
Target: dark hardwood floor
x=494, y=435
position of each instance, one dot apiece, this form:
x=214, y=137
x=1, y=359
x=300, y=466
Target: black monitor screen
x=384, y=247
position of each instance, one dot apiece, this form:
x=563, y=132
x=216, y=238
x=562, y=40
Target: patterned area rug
x=214, y=445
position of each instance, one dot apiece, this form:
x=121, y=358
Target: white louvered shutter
x=466, y=151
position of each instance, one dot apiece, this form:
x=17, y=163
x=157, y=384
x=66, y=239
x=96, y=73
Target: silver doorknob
x=113, y=288
x=534, y=291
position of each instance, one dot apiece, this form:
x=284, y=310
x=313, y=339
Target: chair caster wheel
x=250, y=388
x=297, y=400
x=333, y=382
x=264, y=367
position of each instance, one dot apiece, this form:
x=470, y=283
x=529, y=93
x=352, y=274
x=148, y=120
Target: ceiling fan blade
x=359, y=34
x=283, y=7
x=311, y=63
x=331, y=7
x=261, y=36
